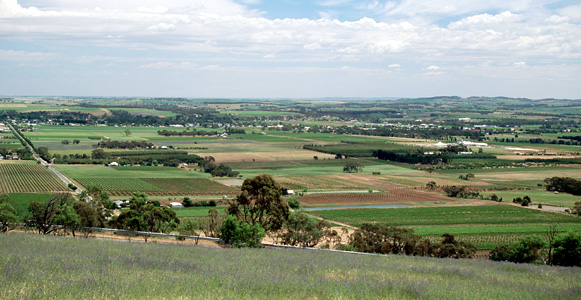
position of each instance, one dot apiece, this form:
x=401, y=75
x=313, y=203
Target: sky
x=291, y=48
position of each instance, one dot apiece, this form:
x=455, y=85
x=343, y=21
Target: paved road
x=42, y=161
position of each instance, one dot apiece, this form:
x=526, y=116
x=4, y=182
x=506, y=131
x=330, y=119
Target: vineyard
x=461, y=215
x=159, y=186
x=393, y=196
x=28, y=178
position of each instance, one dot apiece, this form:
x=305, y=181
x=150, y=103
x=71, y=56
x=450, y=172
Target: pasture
x=89, y=268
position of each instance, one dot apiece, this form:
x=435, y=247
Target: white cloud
x=486, y=20
x=572, y=11
x=162, y=27
x=216, y=34
x=333, y=2
x=12, y=55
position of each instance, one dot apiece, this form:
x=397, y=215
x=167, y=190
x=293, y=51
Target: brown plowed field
x=394, y=196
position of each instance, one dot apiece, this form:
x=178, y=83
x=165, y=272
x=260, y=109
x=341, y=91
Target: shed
x=176, y=205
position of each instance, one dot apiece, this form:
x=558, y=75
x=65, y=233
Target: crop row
x=159, y=186
x=488, y=214
x=28, y=178
x=484, y=241
x=393, y=196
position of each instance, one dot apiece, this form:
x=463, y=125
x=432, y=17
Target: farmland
x=158, y=186
x=466, y=215
x=28, y=178
x=394, y=196
x=88, y=268
x=504, y=223
x=305, y=146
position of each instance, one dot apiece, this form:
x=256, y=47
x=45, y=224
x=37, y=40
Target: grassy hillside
x=48, y=267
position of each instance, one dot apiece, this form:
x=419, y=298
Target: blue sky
x=291, y=48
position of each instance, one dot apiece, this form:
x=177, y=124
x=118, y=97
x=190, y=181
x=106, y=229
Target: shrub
x=502, y=253
x=294, y=203
x=187, y=202
x=567, y=249
x=241, y=234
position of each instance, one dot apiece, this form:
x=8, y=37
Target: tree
x=42, y=214
x=88, y=216
x=212, y=224
x=99, y=154
x=127, y=132
x=145, y=216
x=550, y=235
x=189, y=227
x=502, y=253
x=260, y=201
x=66, y=217
x=450, y=247
x=526, y=201
x=567, y=249
x=187, y=202
x=352, y=166
x=431, y=185
x=7, y=214
x=378, y=238
x=577, y=208
x=241, y=234
x=528, y=249
x=303, y=230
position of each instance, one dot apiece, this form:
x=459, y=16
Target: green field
x=484, y=226
x=49, y=267
x=468, y=215
x=543, y=197
x=188, y=212
x=20, y=201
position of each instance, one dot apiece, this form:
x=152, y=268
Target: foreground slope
x=47, y=267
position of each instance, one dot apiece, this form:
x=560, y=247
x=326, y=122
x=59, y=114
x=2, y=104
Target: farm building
x=113, y=164
x=176, y=205
x=472, y=144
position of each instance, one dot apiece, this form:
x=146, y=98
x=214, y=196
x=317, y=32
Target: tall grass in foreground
x=48, y=267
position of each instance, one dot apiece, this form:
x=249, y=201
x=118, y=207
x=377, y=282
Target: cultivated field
x=28, y=178
x=396, y=196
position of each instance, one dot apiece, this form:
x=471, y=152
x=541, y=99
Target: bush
x=502, y=253
x=241, y=234
x=294, y=203
x=567, y=249
x=528, y=249
x=187, y=202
